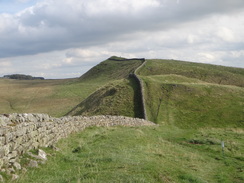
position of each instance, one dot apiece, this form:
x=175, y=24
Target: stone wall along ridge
x=22, y=132
x=141, y=89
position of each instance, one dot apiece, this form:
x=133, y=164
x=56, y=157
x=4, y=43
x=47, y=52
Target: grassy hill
x=196, y=106
x=193, y=104
x=183, y=94
x=58, y=97
x=117, y=98
x=191, y=95
x=114, y=68
x=205, y=72
x=118, y=94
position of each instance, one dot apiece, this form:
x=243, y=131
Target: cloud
x=57, y=25
x=58, y=38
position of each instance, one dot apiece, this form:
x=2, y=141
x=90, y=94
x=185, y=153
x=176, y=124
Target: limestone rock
x=15, y=177
x=42, y=154
x=17, y=166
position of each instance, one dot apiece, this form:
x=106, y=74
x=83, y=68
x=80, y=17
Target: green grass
x=118, y=94
x=110, y=70
x=116, y=98
x=55, y=97
x=205, y=72
x=188, y=103
x=144, y=154
x=196, y=106
x=193, y=95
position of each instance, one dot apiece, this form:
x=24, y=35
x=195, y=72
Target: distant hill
x=22, y=77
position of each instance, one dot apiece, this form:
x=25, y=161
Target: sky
x=65, y=38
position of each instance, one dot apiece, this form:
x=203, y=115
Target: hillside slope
x=119, y=93
x=183, y=94
x=193, y=95
x=189, y=105
x=58, y=97
x=114, y=68
x=116, y=98
x=204, y=72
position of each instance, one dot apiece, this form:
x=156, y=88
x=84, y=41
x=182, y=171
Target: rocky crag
x=20, y=133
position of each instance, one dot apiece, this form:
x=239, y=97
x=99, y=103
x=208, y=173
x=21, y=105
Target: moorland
x=196, y=106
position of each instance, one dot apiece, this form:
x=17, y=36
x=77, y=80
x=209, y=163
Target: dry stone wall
x=141, y=90
x=22, y=132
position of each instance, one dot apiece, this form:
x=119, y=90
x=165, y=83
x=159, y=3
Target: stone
x=54, y=148
x=24, y=170
x=10, y=170
x=42, y=154
x=33, y=164
x=2, y=152
x=2, y=141
x=2, y=122
x=17, y=166
x=3, y=131
x=1, y=163
x=15, y=177
x=12, y=155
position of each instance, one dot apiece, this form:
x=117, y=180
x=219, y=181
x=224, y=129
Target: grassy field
x=196, y=107
x=55, y=97
x=144, y=154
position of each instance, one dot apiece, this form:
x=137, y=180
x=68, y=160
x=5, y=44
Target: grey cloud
x=58, y=25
